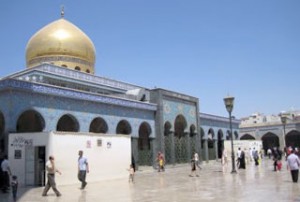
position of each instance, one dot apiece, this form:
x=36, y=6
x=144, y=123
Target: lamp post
x=283, y=119
x=228, y=101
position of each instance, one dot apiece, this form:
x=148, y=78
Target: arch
x=220, y=143
x=180, y=126
x=236, y=135
x=292, y=138
x=270, y=140
x=181, y=153
x=192, y=130
x=77, y=68
x=210, y=138
x=167, y=128
x=64, y=65
x=247, y=137
x=87, y=71
x=123, y=127
x=67, y=123
x=228, y=136
x=202, y=135
x=144, y=133
x=144, y=144
x=30, y=121
x=98, y=125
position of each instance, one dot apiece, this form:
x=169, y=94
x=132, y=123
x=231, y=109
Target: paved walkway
x=174, y=185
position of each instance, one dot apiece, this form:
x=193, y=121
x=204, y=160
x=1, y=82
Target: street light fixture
x=228, y=101
x=283, y=118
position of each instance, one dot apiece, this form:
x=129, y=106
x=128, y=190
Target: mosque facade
x=276, y=130
x=59, y=93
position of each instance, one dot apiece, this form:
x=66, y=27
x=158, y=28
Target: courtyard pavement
x=256, y=183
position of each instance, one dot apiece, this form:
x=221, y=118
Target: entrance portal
x=35, y=158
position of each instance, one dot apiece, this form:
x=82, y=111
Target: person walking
x=161, y=162
x=51, y=170
x=196, y=158
x=293, y=163
x=14, y=187
x=131, y=174
x=193, y=168
x=83, y=169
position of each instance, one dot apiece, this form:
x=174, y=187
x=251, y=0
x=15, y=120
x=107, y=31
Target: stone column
x=198, y=146
x=172, y=147
x=188, y=146
x=216, y=148
x=206, y=150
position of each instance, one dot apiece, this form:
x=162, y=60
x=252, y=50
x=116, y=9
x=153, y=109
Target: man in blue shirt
x=83, y=168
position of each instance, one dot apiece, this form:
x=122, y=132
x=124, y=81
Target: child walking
x=131, y=174
x=193, y=170
x=14, y=187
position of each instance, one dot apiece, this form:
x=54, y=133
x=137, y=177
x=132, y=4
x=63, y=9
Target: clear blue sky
x=249, y=49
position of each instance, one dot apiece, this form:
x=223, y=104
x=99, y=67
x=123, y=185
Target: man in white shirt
x=293, y=163
x=6, y=172
x=51, y=170
x=83, y=168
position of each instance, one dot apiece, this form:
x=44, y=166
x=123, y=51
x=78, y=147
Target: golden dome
x=62, y=44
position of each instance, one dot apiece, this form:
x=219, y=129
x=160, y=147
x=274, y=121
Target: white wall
x=105, y=162
x=243, y=144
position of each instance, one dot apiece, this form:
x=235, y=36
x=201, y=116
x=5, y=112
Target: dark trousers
x=81, y=178
x=295, y=174
x=14, y=192
x=5, y=182
x=51, y=183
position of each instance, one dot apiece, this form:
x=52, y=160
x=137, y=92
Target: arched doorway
x=211, y=146
x=180, y=140
x=202, y=135
x=123, y=127
x=220, y=143
x=30, y=121
x=168, y=142
x=144, y=145
x=193, y=138
x=293, y=139
x=67, y=123
x=98, y=125
x=236, y=135
x=247, y=137
x=228, y=136
x=270, y=140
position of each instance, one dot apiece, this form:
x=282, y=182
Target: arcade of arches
x=32, y=121
x=179, y=144
x=271, y=140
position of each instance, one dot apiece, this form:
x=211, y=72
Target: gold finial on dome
x=62, y=11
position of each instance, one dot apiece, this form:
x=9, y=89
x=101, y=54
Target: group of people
x=292, y=160
x=243, y=157
x=83, y=169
